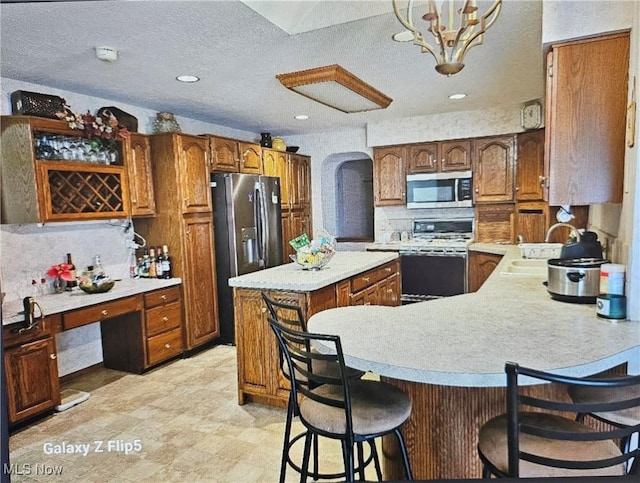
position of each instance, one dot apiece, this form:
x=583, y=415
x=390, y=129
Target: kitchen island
x=449, y=356
x=351, y=278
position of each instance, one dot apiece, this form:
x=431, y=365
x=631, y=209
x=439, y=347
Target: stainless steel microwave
x=440, y=190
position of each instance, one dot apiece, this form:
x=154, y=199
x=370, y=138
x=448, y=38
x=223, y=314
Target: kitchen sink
x=535, y=267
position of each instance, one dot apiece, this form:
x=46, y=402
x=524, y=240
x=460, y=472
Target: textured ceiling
x=237, y=52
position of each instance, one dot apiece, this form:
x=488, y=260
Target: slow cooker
x=575, y=280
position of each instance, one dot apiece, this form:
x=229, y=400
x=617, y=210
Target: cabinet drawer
x=164, y=346
x=161, y=319
x=50, y=325
x=103, y=311
x=161, y=297
x=366, y=279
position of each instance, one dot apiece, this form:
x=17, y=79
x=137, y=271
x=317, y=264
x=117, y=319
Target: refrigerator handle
x=259, y=216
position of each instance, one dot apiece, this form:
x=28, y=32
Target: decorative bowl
x=102, y=287
x=292, y=149
x=314, y=261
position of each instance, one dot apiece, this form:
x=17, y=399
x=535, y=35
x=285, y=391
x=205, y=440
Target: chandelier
x=454, y=33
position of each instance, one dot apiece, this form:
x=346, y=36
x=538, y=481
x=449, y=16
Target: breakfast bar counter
x=449, y=356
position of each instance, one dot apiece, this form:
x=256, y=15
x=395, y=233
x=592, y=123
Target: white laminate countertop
x=465, y=340
x=292, y=277
x=12, y=311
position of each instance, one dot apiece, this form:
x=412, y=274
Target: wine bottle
x=167, y=271
x=72, y=273
x=159, y=264
x=152, y=263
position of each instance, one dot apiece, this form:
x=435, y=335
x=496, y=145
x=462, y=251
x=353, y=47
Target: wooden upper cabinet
x=193, y=159
x=585, y=120
x=138, y=161
x=41, y=183
x=225, y=155
x=275, y=163
x=530, y=166
x=299, y=181
x=455, y=155
x=493, y=169
x=389, y=178
x=440, y=156
x=250, y=158
x=423, y=158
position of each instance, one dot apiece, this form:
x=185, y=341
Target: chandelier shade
x=453, y=32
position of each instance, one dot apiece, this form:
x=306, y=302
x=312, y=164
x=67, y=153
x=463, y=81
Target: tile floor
x=180, y=422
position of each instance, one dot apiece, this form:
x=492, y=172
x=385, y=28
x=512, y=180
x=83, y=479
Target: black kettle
x=587, y=246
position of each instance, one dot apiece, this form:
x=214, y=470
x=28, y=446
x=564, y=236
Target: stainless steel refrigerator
x=248, y=234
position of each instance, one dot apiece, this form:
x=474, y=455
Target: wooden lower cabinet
x=380, y=286
x=481, y=266
x=31, y=370
x=259, y=376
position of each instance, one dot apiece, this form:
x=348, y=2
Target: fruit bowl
x=100, y=286
x=315, y=261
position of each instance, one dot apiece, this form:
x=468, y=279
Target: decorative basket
x=24, y=103
x=124, y=118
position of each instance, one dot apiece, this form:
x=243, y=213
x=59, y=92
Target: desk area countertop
x=465, y=340
x=76, y=299
x=292, y=277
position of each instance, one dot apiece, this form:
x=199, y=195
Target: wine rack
x=75, y=191
x=40, y=183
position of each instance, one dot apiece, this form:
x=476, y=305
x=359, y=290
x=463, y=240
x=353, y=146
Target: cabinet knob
x=134, y=201
x=517, y=188
x=105, y=312
x=264, y=310
x=167, y=346
x=388, y=269
x=163, y=297
x=366, y=279
x=53, y=357
x=165, y=319
x=477, y=190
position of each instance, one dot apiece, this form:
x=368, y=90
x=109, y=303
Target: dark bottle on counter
x=71, y=284
x=167, y=269
x=152, y=263
x=159, y=265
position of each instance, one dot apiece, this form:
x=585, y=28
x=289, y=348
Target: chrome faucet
x=574, y=231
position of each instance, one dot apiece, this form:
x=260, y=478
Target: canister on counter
x=612, y=279
x=611, y=306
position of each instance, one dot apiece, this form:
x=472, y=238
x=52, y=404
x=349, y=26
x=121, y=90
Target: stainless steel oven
x=434, y=264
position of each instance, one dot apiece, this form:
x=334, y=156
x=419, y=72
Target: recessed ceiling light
x=188, y=78
x=301, y=117
x=455, y=97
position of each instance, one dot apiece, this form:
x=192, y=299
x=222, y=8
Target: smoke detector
x=108, y=54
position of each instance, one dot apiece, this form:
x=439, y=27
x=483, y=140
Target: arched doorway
x=347, y=197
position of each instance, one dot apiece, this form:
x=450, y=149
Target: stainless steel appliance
x=574, y=280
x=248, y=234
x=434, y=263
x=440, y=190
